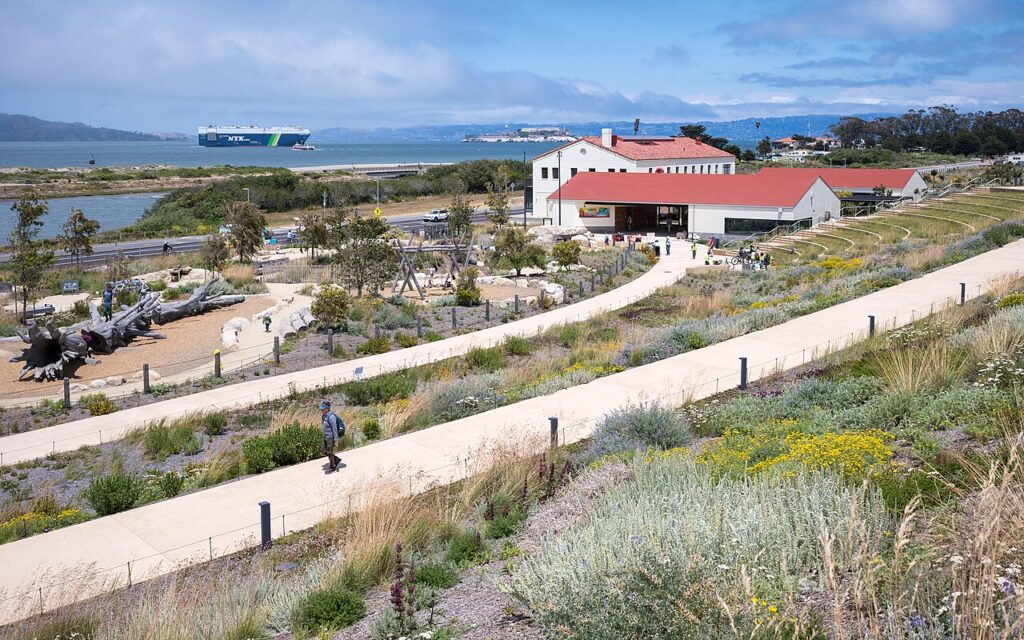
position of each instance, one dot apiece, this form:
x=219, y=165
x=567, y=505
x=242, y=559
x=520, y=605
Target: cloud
x=669, y=55
x=829, y=63
x=783, y=81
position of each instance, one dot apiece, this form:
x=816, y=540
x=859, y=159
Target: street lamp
x=559, y=187
x=377, y=180
x=246, y=190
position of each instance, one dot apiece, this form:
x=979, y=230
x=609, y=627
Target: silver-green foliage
x=617, y=576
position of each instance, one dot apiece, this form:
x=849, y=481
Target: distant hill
x=18, y=128
x=741, y=132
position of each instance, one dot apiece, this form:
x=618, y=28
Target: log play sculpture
x=51, y=349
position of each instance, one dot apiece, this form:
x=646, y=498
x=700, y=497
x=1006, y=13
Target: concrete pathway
x=74, y=563
x=90, y=431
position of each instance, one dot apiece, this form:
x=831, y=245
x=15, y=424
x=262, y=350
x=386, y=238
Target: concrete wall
x=820, y=203
x=915, y=184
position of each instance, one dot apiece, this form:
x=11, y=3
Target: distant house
x=623, y=154
x=1014, y=158
x=703, y=205
x=820, y=143
x=861, y=183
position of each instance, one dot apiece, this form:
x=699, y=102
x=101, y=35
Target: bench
x=36, y=312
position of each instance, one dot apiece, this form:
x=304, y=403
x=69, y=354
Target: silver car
x=436, y=215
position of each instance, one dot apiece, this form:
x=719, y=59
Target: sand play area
x=189, y=346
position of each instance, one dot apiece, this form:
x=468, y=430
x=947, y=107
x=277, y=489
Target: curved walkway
x=97, y=430
x=58, y=567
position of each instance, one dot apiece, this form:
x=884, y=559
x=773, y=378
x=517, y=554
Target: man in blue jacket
x=334, y=430
x=108, y=302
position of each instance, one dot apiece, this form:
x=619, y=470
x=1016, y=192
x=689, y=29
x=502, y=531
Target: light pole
x=246, y=190
x=325, y=198
x=377, y=180
x=559, y=187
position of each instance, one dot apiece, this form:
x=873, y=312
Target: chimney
x=606, y=138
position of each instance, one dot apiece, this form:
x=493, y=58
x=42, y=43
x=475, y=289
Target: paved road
x=410, y=223
x=49, y=567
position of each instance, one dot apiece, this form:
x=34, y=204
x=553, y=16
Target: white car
x=436, y=215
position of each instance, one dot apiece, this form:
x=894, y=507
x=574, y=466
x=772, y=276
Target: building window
x=554, y=173
x=591, y=170
x=611, y=171
x=650, y=169
x=622, y=171
x=749, y=225
x=544, y=173
x=572, y=172
x=702, y=168
x=727, y=169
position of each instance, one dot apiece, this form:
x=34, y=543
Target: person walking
x=693, y=250
x=668, y=246
x=334, y=431
x=266, y=322
x=108, y=302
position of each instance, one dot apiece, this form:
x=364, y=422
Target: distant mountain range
x=18, y=128
x=742, y=132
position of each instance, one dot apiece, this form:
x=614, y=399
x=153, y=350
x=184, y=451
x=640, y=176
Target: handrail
x=763, y=236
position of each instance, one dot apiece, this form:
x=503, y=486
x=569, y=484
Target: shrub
x=566, y=253
x=160, y=440
x=437, y=576
x=504, y=525
x=405, y=340
x=329, y=305
x=466, y=547
x=647, y=426
x=379, y=389
x=517, y=346
x=214, y=423
x=388, y=318
x=636, y=568
x=486, y=359
x=170, y=484
x=375, y=346
x=467, y=293
x=1011, y=300
x=258, y=455
x=114, y=493
x=98, y=404
x=432, y=336
x=294, y=443
x=849, y=454
x=371, y=429
x=327, y=609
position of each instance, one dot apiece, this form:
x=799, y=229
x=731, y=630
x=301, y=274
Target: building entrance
x=646, y=218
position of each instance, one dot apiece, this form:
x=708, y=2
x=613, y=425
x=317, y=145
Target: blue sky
x=171, y=66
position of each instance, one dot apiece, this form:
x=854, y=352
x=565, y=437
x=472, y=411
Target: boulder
x=500, y=281
x=115, y=381
x=582, y=239
x=78, y=388
x=98, y=384
x=556, y=291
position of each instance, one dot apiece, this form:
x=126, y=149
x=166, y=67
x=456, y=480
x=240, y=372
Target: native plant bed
x=874, y=493
x=697, y=312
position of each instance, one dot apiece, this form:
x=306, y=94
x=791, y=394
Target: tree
x=497, y=198
x=329, y=305
x=566, y=253
x=698, y=132
x=748, y=155
x=78, y=234
x=367, y=260
x=514, y=249
x=764, y=147
x=215, y=252
x=314, y=232
x=460, y=215
x=247, y=223
x=29, y=260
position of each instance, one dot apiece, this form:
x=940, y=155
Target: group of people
x=757, y=259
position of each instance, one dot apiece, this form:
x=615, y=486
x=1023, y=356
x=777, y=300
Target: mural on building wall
x=595, y=212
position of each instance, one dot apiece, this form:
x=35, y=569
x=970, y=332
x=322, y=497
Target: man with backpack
x=334, y=431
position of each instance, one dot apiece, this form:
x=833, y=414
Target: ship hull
x=252, y=139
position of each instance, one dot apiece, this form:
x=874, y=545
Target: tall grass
x=915, y=369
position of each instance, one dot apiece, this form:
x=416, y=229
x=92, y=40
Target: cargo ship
x=214, y=136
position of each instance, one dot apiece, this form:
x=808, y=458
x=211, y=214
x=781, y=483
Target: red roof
x=746, y=190
x=653, y=149
x=854, y=178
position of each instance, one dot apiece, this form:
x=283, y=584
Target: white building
x=618, y=154
x=704, y=205
x=903, y=183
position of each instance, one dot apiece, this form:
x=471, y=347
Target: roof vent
x=606, y=138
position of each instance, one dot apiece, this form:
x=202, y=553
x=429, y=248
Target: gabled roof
x=679, y=147
x=852, y=178
x=746, y=190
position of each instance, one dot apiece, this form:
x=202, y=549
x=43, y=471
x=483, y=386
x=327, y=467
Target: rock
x=582, y=239
x=78, y=388
x=98, y=384
x=556, y=291
x=114, y=381
x=500, y=281
x=286, y=566
x=228, y=338
x=236, y=324
x=153, y=376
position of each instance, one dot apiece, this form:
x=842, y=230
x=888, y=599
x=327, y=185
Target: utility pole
x=246, y=190
x=325, y=198
x=377, y=180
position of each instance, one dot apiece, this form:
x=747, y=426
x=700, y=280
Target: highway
x=409, y=223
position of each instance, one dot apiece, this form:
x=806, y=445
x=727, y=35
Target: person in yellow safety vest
x=693, y=250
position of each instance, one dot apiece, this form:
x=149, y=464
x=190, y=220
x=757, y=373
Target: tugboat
x=303, y=147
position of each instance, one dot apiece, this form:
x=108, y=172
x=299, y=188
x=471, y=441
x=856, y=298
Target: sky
x=173, y=66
